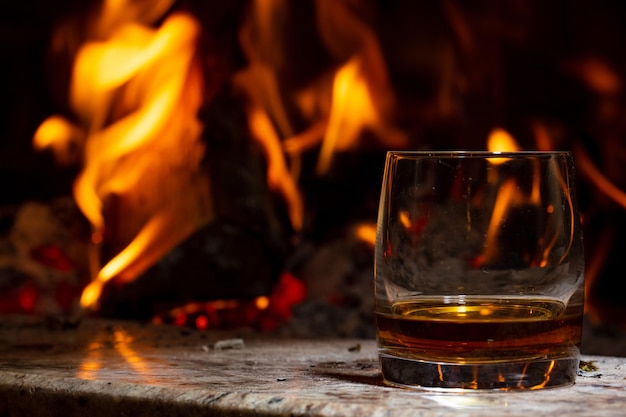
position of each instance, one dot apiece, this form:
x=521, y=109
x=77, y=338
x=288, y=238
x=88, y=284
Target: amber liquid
x=479, y=331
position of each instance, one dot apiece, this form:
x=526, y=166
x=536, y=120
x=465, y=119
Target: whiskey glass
x=479, y=270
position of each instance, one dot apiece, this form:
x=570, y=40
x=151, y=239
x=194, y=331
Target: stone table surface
x=106, y=368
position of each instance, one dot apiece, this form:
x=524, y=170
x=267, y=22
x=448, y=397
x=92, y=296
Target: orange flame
x=546, y=377
x=500, y=140
x=353, y=108
x=338, y=105
x=509, y=194
x=366, y=232
x=362, y=97
x=136, y=91
x=278, y=175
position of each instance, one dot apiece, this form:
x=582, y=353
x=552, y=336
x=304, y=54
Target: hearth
x=110, y=368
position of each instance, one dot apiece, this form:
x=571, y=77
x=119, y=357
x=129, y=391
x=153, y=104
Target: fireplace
x=239, y=186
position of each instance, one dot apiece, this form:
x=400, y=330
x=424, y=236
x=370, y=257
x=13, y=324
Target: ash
x=339, y=275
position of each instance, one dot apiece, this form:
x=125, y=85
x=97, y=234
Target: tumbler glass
x=479, y=270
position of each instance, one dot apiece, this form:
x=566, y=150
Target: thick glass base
x=519, y=375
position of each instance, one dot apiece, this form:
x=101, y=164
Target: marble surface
x=103, y=368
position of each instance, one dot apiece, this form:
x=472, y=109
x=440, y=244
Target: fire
x=508, y=197
x=262, y=312
x=500, y=140
x=135, y=92
x=366, y=232
x=600, y=252
x=509, y=194
x=136, y=89
x=354, y=109
x=546, y=377
x=278, y=176
x=339, y=105
x=603, y=184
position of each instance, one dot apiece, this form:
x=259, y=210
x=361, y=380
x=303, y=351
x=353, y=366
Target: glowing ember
x=263, y=312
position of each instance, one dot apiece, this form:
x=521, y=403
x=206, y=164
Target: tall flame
x=362, y=95
x=354, y=96
x=354, y=108
x=136, y=91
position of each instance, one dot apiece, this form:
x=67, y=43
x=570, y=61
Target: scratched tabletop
x=113, y=368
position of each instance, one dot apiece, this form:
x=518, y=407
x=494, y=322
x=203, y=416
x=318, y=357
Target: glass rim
x=476, y=153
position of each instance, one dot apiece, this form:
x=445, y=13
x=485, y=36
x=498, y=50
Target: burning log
x=240, y=253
